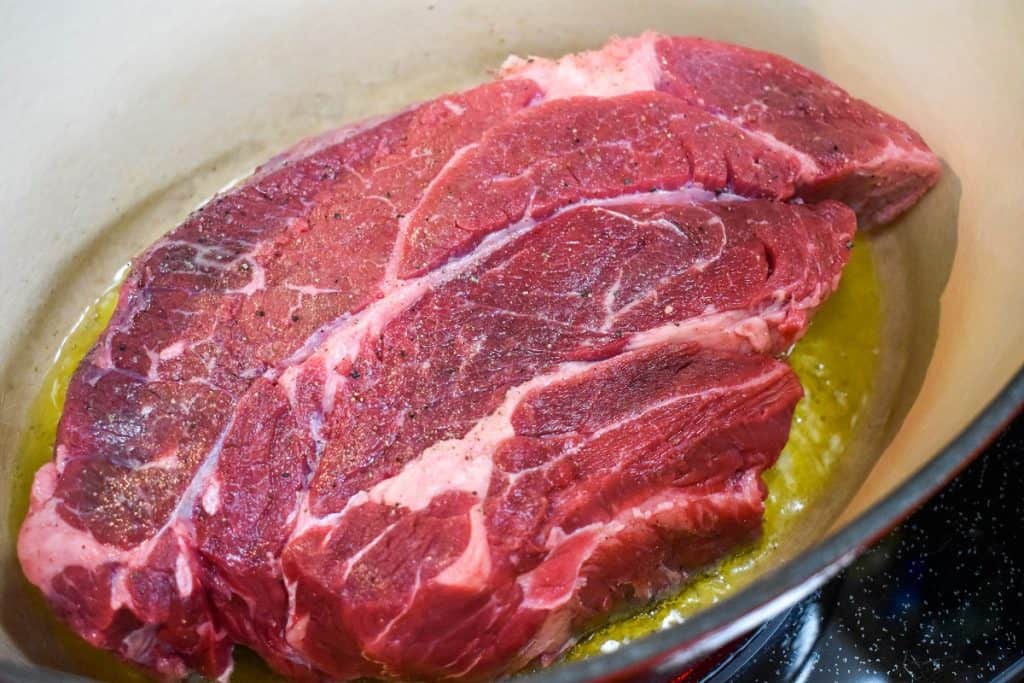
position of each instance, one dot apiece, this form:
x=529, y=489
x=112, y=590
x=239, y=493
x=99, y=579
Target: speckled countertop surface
x=941, y=598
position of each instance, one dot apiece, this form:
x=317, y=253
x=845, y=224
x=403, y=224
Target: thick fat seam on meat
x=878, y=187
x=627, y=65
x=339, y=340
x=415, y=486
x=465, y=465
x=734, y=329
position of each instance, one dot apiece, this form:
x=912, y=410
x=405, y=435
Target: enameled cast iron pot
x=119, y=117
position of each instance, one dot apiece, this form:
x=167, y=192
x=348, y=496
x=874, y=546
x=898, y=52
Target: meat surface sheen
x=427, y=396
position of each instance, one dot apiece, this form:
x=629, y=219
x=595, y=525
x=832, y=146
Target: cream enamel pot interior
x=120, y=117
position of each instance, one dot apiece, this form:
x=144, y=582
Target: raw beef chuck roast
x=427, y=396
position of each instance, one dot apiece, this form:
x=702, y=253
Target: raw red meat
x=427, y=396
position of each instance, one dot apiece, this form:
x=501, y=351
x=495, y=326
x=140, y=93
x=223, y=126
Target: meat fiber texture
x=427, y=396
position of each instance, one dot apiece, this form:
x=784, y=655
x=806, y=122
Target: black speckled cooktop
x=941, y=598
